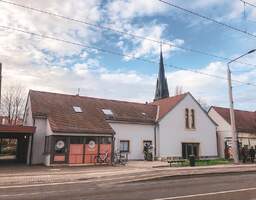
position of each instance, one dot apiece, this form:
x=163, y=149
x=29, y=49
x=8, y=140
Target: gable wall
x=223, y=130
x=172, y=131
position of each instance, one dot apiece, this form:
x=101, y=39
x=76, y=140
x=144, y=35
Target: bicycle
x=102, y=158
x=120, y=159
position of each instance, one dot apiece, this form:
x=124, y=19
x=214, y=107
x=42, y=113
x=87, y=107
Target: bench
x=179, y=161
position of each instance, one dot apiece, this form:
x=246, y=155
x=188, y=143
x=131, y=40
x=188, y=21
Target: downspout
x=113, y=147
x=155, y=127
x=31, y=146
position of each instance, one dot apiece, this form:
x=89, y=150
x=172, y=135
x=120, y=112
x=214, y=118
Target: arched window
x=187, y=118
x=193, y=118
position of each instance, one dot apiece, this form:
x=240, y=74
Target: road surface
x=211, y=187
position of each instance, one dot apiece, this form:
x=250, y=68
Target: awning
x=17, y=129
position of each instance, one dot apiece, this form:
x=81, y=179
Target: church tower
x=161, y=84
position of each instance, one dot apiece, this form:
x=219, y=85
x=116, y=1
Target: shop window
x=105, y=140
x=124, y=146
x=76, y=140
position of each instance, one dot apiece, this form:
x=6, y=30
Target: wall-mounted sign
x=92, y=144
x=60, y=144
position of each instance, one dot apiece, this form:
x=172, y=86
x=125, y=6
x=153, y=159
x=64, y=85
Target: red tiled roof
x=17, y=129
x=58, y=108
x=167, y=104
x=245, y=120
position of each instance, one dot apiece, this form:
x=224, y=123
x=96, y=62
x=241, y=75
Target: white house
x=245, y=124
x=72, y=129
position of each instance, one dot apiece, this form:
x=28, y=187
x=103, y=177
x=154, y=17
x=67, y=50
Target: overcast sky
x=47, y=65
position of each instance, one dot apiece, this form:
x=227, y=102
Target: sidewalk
x=135, y=171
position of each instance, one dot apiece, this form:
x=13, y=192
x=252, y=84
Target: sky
x=48, y=65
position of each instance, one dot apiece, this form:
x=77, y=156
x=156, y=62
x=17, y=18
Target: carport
x=20, y=137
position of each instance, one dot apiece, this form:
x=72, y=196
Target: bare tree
x=13, y=103
x=178, y=90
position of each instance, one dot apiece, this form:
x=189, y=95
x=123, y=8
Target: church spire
x=161, y=84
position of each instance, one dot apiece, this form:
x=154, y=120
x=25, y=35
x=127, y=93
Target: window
x=107, y=111
x=193, y=118
x=77, y=109
x=187, y=117
x=190, y=118
x=190, y=149
x=124, y=146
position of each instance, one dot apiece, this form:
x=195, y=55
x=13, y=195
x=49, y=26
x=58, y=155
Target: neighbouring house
x=245, y=124
x=72, y=129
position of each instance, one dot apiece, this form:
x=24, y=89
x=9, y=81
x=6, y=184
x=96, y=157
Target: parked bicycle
x=102, y=158
x=120, y=159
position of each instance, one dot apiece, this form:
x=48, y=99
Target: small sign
x=92, y=144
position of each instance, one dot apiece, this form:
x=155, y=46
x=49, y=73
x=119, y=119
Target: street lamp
x=232, y=114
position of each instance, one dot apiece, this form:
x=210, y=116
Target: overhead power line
x=122, y=32
x=248, y=3
x=118, y=53
x=208, y=18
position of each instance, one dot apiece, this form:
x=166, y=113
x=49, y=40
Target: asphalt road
x=235, y=187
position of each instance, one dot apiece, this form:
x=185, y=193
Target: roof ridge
x=89, y=97
x=234, y=109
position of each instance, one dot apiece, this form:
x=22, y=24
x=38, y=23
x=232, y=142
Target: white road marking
x=207, y=194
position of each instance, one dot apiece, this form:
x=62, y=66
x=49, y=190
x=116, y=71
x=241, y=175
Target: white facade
x=224, y=133
x=172, y=131
x=136, y=134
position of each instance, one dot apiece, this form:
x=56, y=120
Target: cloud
x=131, y=85
x=135, y=8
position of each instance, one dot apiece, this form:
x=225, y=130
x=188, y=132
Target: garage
x=15, y=144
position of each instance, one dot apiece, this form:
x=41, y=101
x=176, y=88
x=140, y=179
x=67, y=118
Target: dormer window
x=107, y=112
x=77, y=109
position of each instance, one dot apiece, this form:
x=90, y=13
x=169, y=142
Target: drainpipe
x=155, y=129
x=31, y=145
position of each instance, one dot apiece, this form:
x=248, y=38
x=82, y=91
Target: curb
x=184, y=176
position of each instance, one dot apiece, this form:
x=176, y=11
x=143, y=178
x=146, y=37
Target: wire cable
x=122, y=32
x=209, y=19
x=119, y=54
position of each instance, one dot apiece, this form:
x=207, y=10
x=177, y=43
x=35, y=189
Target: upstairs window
x=187, y=118
x=77, y=109
x=190, y=118
x=192, y=112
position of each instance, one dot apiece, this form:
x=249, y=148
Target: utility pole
x=232, y=119
x=232, y=113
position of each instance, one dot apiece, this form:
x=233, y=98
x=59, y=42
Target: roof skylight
x=107, y=111
x=77, y=109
